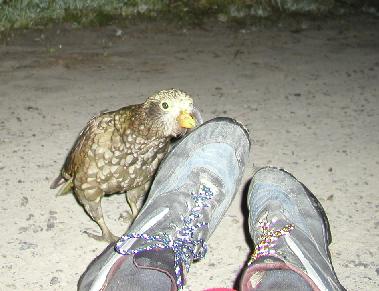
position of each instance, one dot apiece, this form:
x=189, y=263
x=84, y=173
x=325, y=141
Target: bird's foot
x=107, y=237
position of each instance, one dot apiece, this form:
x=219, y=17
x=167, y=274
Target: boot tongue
x=161, y=260
x=269, y=225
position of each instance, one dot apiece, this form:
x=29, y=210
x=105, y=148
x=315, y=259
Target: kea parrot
x=119, y=152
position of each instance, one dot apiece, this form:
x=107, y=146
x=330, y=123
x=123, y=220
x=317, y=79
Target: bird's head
x=170, y=112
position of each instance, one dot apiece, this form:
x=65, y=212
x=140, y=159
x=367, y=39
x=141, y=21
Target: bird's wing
x=97, y=125
x=68, y=166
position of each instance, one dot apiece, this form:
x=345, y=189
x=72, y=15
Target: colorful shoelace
x=268, y=238
x=186, y=248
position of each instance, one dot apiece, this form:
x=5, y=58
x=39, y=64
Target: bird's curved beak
x=186, y=120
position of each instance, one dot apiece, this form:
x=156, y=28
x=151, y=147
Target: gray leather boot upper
x=288, y=222
x=194, y=187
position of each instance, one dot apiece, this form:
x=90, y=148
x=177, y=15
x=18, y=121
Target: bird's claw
x=104, y=237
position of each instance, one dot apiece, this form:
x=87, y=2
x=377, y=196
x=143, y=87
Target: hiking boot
x=193, y=188
x=291, y=234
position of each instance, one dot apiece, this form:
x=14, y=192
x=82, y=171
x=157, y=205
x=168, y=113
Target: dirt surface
x=308, y=94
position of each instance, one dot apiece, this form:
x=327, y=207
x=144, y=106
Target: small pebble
x=54, y=280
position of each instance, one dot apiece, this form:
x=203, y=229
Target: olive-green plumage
x=119, y=151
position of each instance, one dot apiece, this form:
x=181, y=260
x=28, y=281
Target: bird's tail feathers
x=57, y=182
x=66, y=188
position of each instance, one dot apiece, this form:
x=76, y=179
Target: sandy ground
x=308, y=94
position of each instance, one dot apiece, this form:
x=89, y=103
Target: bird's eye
x=165, y=105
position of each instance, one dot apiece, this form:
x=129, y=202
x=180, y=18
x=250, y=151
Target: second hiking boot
x=291, y=234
